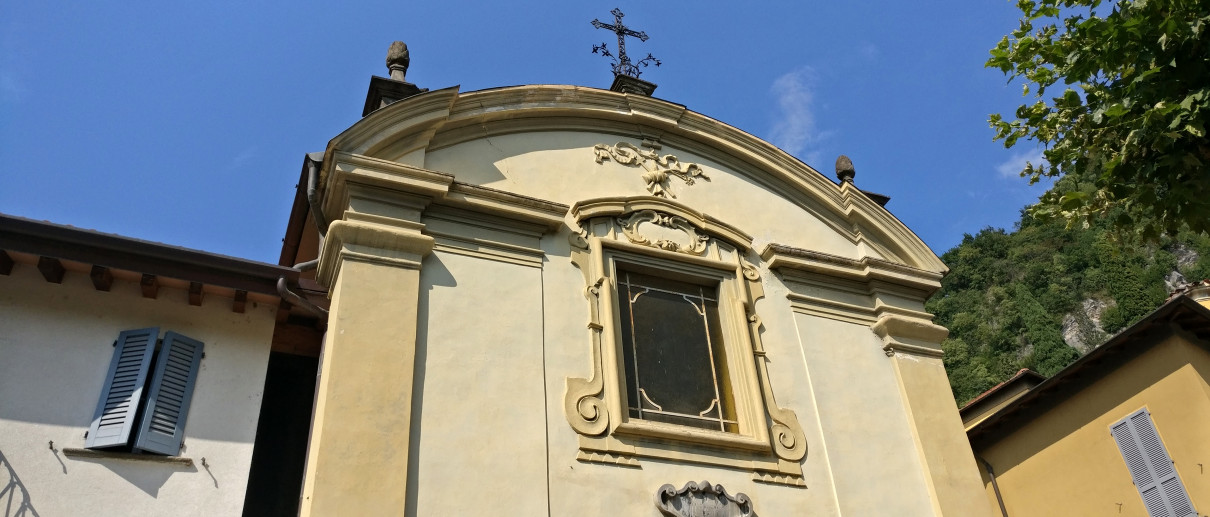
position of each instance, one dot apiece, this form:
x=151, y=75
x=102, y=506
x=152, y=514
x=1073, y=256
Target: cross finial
x=622, y=64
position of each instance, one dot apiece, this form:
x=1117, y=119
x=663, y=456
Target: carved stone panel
x=701, y=500
x=664, y=231
x=657, y=169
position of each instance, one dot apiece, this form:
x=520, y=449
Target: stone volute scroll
x=701, y=500
x=789, y=440
x=658, y=168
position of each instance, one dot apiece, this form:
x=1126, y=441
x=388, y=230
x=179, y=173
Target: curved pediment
x=494, y=138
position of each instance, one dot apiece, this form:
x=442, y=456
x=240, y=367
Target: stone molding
x=475, y=234
x=443, y=118
x=909, y=335
x=353, y=240
x=781, y=257
x=770, y=443
x=380, y=209
x=622, y=205
x=887, y=297
x=354, y=175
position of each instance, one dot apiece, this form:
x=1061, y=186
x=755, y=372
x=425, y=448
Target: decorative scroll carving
x=701, y=500
x=771, y=444
x=578, y=240
x=696, y=242
x=789, y=440
x=583, y=402
x=658, y=168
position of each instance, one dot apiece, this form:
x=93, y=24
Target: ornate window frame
x=654, y=233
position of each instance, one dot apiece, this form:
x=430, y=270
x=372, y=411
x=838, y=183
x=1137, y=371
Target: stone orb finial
x=844, y=169
x=398, y=60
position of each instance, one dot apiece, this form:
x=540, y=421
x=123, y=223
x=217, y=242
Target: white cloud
x=1015, y=163
x=794, y=131
x=242, y=158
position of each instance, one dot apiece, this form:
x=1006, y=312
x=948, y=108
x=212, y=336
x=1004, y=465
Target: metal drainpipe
x=995, y=486
x=321, y=224
x=317, y=213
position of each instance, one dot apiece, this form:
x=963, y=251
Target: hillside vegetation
x=1040, y=296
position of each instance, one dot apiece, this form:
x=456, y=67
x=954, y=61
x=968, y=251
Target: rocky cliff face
x=1082, y=328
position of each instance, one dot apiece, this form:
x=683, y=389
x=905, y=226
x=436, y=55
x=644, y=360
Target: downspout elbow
x=294, y=298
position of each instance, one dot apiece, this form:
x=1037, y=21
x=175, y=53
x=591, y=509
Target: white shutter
x=1151, y=467
x=163, y=423
x=123, y=390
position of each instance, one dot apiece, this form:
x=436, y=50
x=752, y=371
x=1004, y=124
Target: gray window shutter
x=163, y=424
x=123, y=389
x=1151, y=467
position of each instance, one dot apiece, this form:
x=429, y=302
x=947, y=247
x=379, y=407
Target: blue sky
x=186, y=123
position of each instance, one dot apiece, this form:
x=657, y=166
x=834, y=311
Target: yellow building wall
x=478, y=334
x=1065, y=462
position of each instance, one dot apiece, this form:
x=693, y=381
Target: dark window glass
x=673, y=352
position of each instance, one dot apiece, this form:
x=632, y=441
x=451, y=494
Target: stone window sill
x=87, y=454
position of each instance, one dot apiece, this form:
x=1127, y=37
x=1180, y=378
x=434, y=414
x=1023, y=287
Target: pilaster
x=955, y=486
x=371, y=260
x=889, y=298
x=388, y=217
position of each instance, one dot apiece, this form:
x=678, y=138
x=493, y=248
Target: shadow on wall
x=434, y=274
x=149, y=477
x=1141, y=369
x=13, y=495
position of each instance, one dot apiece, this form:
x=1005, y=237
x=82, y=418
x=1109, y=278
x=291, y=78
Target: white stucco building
x=66, y=295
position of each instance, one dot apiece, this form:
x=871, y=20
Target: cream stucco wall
x=55, y=349
x=1066, y=462
x=503, y=321
x=559, y=166
x=865, y=428
x=481, y=400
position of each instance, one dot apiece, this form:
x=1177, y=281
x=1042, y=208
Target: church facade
x=562, y=300
x=571, y=301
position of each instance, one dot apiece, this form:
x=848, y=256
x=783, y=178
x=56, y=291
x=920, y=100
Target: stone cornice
x=355, y=240
x=446, y=117
x=433, y=187
x=916, y=336
x=788, y=259
x=516, y=206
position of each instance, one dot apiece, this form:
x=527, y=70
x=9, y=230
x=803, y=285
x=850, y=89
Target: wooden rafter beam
x=6, y=263
x=52, y=269
x=102, y=278
x=240, y=302
x=195, y=293
x=150, y=285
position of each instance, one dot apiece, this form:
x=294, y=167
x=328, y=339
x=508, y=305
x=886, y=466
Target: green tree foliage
x=1007, y=294
x=1131, y=118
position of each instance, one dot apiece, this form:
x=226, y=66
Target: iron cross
x=624, y=65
